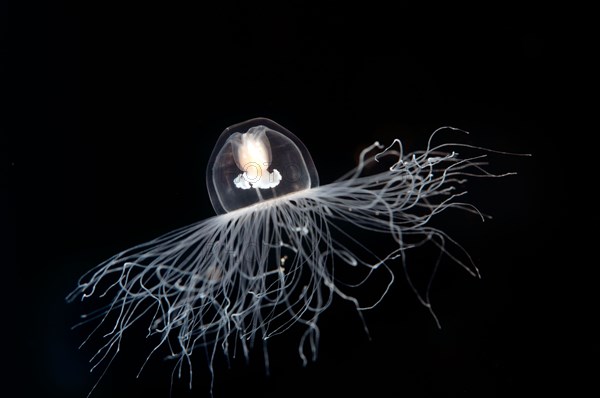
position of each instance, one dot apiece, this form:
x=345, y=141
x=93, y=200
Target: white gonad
x=266, y=262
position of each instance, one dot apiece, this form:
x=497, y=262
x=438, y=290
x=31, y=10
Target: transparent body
x=269, y=261
x=255, y=161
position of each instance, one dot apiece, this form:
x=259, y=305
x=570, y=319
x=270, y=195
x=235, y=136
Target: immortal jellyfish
x=269, y=260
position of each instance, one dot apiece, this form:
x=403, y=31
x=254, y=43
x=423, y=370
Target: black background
x=116, y=109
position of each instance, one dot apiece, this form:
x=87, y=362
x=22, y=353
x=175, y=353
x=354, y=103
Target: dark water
x=116, y=109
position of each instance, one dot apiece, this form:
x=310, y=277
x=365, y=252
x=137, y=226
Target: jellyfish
x=270, y=259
